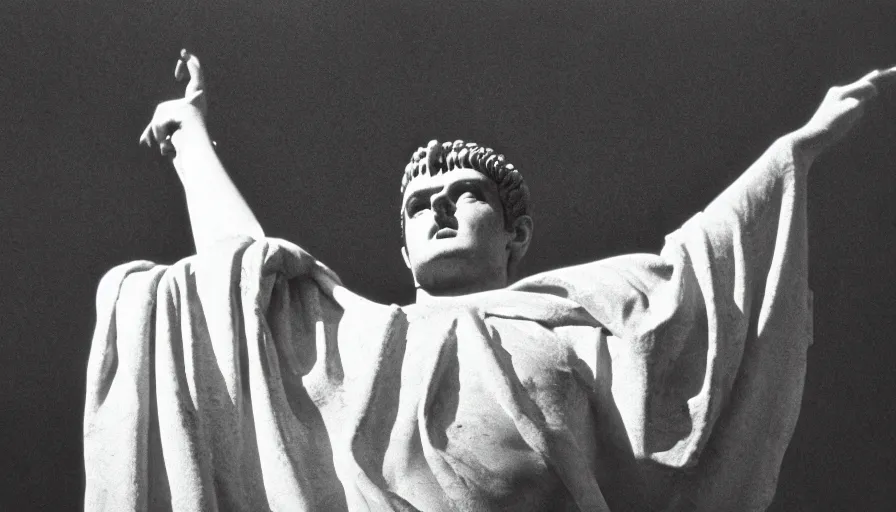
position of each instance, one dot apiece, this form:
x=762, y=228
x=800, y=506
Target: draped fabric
x=248, y=378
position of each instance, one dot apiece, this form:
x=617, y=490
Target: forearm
x=745, y=231
x=217, y=209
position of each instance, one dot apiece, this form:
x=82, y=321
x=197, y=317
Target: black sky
x=626, y=117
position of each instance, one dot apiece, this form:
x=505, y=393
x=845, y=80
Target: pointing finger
x=188, y=65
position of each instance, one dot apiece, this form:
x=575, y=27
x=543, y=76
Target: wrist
x=194, y=151
x=802, y=146
x=192, y=133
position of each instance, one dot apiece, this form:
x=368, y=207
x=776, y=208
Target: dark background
x=626, y=117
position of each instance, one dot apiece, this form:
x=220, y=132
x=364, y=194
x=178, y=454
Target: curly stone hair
x=442, y=157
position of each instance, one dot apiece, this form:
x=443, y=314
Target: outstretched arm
x=217, y=209
x=708, y=340
x=792, y=155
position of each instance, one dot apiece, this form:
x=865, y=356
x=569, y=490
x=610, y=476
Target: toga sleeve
x=708, y=339
x=206, y=381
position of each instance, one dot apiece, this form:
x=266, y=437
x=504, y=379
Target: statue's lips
x=446, y=233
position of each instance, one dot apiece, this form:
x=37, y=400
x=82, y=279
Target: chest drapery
x=494, y=407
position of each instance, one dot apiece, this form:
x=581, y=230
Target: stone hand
x=172, y=115
x=840, y=110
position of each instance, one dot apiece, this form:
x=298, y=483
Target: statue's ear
x=404, y=255
x=519, y=242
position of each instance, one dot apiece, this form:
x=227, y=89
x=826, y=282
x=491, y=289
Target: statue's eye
x=470, y=194
x=415, y=207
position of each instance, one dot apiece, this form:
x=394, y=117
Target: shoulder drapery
x=191, y=403
x=247, y=378
x=709, y=338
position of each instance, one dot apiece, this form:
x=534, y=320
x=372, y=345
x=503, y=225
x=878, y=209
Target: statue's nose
x=443, y=206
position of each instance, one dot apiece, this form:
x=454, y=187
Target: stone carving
x=247, y=377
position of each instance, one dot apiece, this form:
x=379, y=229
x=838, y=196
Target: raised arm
x=178, y=127
x=786, y=163
x=708, y=340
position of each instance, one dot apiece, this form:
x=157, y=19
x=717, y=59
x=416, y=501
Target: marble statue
x=246, y=377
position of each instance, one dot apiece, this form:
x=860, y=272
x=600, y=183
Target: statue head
x=464, y=218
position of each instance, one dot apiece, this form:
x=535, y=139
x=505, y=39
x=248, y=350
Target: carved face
x=454, y=230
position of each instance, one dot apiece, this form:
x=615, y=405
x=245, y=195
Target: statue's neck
x=424, y=295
